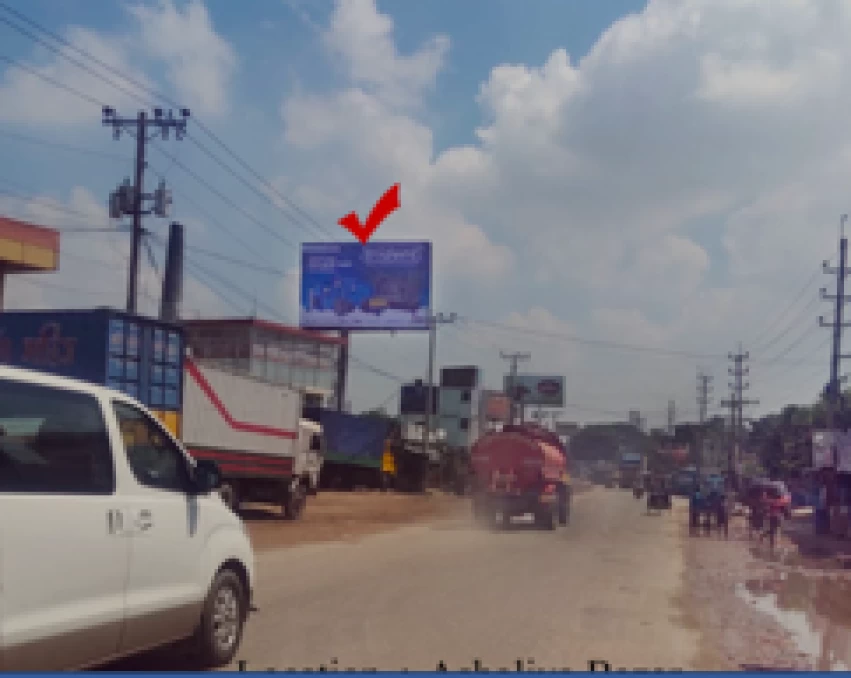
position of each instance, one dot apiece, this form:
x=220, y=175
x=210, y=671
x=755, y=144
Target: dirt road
x=605, y=588
x=346, y=516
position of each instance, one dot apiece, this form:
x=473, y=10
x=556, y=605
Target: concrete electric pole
x=433, y=322
x=833, y=391
x=737, y=403
x=129, y=199
x=672, y=417
x=704, y=382
x=513, y=359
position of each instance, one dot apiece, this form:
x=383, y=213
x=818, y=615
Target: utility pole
x=129, y=200
x=672, y=417
x=737, y=403
x=832, y=391
x=433, y=321
x=704, y=382
x=513, y=359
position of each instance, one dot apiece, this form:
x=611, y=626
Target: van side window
x=52, y=441
x=154, y=459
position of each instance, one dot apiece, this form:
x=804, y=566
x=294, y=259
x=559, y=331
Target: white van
x=112, y=539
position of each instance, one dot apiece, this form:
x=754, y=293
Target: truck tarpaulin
x=352, y=439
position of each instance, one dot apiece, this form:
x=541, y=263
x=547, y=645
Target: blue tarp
x=353, y=439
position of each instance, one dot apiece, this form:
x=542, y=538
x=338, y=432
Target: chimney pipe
x=172, y=293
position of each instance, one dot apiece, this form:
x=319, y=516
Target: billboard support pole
x=342, y=371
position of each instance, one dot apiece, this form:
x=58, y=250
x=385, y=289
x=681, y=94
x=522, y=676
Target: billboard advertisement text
x=545, y=391
x=376, y=286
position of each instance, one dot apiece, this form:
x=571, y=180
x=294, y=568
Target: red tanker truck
x=518, y=471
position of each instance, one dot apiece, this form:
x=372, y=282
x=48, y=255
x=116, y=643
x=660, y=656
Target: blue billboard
x=376, y=286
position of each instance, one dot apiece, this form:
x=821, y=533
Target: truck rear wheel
x=294, y=502
x=564, y=507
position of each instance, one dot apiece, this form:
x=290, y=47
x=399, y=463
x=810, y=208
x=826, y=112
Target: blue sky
x=666, y=175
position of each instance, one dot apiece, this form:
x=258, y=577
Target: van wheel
x=294, y=502
x=222, y=621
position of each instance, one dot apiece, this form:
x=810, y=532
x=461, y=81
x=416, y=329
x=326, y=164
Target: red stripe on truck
x=242, y=457
x=241, y=426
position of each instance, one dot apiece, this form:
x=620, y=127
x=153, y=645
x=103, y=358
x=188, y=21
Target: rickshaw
x=641, y=485
x=658, y=494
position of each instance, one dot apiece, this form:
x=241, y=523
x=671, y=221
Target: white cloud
x=658, y=190
x=199, y=62
x=362, y=39
x=28, y=98
x=673, y=187
x=199, y=65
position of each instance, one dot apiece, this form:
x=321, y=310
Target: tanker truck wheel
x=546, y=518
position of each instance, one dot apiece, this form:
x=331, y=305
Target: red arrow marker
x=386, y=205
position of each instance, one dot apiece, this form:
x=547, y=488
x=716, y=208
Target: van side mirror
x=207, y=476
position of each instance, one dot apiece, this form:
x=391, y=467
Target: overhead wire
x=245, y=166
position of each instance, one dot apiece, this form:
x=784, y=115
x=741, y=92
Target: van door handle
x=114, y=521
x=145, y=520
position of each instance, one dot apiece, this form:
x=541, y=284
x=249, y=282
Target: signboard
x=376, y=286
x=823, y=444
x=459, y=377
x=138, y=356
x=412, y=399
x=545, y=391
x=566, y=428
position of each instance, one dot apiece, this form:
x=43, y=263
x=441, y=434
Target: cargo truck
x=250, y=428
x=519, y=471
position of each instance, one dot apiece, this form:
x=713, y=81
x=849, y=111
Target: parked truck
x=255, y=433
x=355, y=450
x=368, y=451
x=518, y=471
x=251, y=429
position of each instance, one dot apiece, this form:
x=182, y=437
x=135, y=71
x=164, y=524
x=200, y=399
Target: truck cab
x=311, y=451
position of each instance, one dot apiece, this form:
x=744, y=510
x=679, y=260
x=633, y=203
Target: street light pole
x=433, y=322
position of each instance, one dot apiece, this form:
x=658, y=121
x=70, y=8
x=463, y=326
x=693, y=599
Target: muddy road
x=605, y=587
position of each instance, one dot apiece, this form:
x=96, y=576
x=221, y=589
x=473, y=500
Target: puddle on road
x=815, y=610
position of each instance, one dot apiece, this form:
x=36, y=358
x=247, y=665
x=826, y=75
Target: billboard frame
x=534, y=379
x=429, y=286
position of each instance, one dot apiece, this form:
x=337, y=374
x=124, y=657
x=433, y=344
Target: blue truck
x=142, y=357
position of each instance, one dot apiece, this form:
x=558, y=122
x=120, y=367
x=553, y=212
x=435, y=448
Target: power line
x=63, y=146
x=599, y=343
x=228, y=201
x=161, y=97
x=48, y=79
x=771, y=326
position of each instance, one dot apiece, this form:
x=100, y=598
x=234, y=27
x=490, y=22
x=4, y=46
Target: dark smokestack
x=173, y=279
